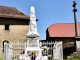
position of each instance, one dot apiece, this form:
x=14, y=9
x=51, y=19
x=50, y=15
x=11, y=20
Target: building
x=63, y=32
x=14, y=26
x=68, y=33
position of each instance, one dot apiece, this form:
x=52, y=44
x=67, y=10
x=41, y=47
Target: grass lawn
x=72, y=59
x=1, y=59
x=63, y=59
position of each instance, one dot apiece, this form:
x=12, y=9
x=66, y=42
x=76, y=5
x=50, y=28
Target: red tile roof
x=63, y=30
x=12, y=12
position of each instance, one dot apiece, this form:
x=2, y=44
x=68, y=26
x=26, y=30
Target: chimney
x=75, y=19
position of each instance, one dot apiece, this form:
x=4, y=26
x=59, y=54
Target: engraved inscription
x=33, y=43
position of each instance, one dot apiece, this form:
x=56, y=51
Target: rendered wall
x=15, y=33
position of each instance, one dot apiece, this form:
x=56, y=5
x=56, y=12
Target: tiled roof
x=12, y=12
x=63, y=30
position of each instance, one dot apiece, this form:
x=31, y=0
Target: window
x=6, y=26
x=3, y=44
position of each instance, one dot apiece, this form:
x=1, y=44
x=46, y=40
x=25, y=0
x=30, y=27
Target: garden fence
x=12, y=50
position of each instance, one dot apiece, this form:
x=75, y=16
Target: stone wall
x=15, y=33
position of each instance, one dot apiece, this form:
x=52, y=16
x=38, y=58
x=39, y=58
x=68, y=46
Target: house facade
x=14, y=26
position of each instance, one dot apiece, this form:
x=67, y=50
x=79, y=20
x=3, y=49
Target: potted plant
x=49, y=57
x=33, y=55
x=45, y=50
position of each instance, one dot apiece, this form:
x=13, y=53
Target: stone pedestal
x=30, y=49
x=33, y=42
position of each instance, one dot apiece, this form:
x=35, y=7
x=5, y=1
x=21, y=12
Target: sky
x=47, y=12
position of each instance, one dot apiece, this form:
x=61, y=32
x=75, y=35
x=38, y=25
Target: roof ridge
x=7, y=6
x=61, y=23
x=65, y=23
